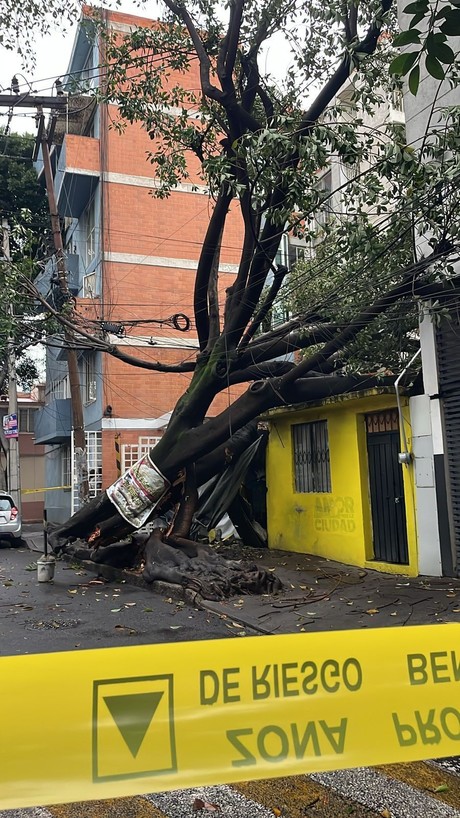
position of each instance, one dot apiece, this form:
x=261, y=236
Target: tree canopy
x=264, y=143
x=23, y=205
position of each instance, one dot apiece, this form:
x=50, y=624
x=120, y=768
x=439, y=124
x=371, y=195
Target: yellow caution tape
x=125, y=721
x=48, y=488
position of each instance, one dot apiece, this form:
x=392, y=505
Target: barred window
x=310, y=442
x=90, y=378
x=66, y=467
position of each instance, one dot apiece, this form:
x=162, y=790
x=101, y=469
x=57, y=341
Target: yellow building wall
x=334, y=525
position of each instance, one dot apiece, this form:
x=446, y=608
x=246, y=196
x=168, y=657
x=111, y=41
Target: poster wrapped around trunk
x=136, y=493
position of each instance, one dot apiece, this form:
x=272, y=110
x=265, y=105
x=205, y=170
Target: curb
x=121, y=575
x=164, y=589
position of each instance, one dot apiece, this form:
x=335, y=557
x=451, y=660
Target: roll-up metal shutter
x=448, y=351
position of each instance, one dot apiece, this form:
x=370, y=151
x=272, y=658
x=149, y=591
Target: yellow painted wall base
x=338, y=524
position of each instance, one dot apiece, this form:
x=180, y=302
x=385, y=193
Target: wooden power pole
x=72, y=362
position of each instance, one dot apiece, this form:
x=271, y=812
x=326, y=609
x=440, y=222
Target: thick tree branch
x=366, y=46
x=229, y=46
x=257, y=372
x=278, y=278
x=269, y=241
x=236, y=292
x=213, y=299
x=205, y=264
x=286, y=345
x=153, y=366
x=208, y=88
x=410, y=285
x=277, y=391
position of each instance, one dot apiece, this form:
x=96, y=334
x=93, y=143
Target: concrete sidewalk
x=322, y=595
x=317, y=594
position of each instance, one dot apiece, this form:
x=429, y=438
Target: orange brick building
x=130, y=257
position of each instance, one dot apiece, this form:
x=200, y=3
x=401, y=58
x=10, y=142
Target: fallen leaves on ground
x=199, y=805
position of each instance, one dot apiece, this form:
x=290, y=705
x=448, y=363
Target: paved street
x=400, y=791
x=78, y=610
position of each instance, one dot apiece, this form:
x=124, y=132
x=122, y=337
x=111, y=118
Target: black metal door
x=386, y=488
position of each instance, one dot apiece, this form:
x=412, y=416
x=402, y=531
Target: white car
x=10, y=519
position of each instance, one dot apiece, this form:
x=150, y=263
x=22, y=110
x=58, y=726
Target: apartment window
x=325, y=185
x=59, y=388
x=299, y=252
x=89, y=235
x=94, y=460
x=66, y=467
x=89, y=285
x=132, y=452
x=310, y=442
x=396, y=100
x=282, y=252
x=88, y=73
x=90, y=377
x=351, y=171
x=27, y=420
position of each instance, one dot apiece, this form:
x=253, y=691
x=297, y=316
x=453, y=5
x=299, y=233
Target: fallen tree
x=259, y=147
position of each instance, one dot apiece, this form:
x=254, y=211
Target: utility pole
x=57, y=103
x=72, y=362
x=14, y=470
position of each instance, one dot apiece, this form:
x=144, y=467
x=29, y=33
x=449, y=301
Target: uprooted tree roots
x=180, y=562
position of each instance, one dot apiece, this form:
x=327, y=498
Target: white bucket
x=45, y=568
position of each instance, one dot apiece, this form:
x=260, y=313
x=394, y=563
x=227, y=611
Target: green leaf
x=451, y=26
x=441, y=788
x=407, y=37
x=416, y=19
x=414, y=80
x=415, y=8
x=439, y=50
x=403, y=63
x=434, y=67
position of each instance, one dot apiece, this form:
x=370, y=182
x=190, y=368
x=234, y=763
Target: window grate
x=386, y=421
x=94, y=461
x=312, y=471
x=132, y=452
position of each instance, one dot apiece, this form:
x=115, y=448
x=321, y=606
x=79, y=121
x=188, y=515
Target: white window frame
x=90, y=378
x=66, y=467
x=132, y=452
x=89, y=233
x=89, y=285
x=324, y=216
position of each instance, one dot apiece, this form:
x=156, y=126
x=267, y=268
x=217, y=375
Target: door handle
x=397, y=499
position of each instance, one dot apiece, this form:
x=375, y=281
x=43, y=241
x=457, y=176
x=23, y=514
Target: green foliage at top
x=23, y=201
x=246, y=147
x=439, y=22
x=24, y=205
x=22, y=22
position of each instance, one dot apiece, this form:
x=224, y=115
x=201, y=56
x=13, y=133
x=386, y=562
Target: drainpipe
x=404, y=457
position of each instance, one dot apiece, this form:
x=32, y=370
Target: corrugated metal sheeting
x=448, y=349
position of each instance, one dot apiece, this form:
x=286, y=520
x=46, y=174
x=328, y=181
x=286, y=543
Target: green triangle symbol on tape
x=132, y=714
